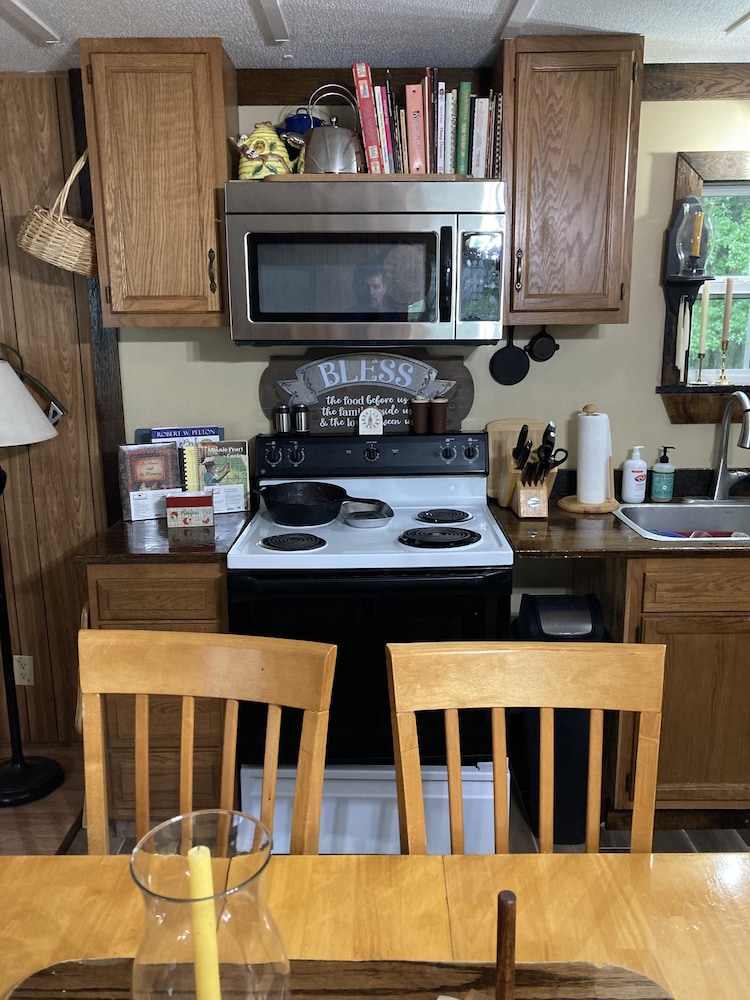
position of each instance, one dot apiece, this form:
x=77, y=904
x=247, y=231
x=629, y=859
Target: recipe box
x=188, y=510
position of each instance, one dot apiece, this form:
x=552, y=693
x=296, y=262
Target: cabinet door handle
x=212, y=269
x=519, y=270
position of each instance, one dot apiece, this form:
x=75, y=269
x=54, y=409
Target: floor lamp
x=22, y=779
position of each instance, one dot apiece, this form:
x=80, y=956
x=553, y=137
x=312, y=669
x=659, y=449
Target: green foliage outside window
x=730, y=256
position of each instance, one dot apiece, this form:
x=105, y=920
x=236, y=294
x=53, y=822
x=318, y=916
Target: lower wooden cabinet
x=190, y=597
x=700, y=608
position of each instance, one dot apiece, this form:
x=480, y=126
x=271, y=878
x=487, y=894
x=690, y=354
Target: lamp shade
x=22, y=421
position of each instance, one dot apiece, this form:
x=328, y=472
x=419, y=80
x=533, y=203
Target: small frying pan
x=510, y=364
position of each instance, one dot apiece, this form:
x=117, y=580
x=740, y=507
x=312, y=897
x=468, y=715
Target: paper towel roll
x=594, y=452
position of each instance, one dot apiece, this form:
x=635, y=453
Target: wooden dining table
x=681, y=919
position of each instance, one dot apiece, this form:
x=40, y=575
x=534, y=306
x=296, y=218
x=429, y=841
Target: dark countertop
x=570, y=536
x=131, y=541
x=562, y=535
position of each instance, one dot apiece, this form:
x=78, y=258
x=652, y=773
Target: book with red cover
x=415, y=132
x=368, y=116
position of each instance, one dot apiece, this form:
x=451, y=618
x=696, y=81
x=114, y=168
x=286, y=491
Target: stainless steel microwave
x=361, y=261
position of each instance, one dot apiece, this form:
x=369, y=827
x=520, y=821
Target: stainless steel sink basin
x=710, y=520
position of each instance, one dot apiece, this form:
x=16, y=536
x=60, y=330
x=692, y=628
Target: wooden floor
x=52, y=825
x=45, y=826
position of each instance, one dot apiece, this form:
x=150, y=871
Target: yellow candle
x=695, y=246
x=727, y=310
x=205, y=948
x=704, y=318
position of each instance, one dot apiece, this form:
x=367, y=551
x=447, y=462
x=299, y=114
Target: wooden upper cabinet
x=158, y=113
x=571, y=109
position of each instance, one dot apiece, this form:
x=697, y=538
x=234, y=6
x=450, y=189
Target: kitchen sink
x=694, y=520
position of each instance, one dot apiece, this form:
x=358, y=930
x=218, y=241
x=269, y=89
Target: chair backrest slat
x=193, y=666
x=595, y=677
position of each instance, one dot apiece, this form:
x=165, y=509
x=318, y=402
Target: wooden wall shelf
x=696, y=404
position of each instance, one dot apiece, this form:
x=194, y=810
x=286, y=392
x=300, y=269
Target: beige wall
x=198, y=376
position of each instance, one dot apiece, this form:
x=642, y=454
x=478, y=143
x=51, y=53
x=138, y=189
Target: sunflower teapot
x=328, y=149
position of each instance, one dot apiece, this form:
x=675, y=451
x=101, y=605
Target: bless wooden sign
x=337, y=388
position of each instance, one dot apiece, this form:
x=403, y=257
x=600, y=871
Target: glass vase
x=212, y=940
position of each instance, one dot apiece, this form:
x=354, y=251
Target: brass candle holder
x=699, y=379
x=722, y=379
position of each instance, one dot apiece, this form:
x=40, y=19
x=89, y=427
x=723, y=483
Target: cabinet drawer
x=164, y=721
x=164, y=782
x=693, y=585
x=150, y=595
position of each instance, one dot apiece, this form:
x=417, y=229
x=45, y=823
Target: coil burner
x=292, y=541
x=443, y=515
x=439, y=537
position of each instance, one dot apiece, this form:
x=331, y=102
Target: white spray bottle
x=634, y=476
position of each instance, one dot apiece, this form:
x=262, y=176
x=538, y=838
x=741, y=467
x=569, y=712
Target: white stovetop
x=350, y=548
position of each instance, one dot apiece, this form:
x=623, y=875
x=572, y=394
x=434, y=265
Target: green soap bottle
x=662, y=477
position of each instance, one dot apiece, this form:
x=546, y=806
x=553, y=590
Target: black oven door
x=360, y=613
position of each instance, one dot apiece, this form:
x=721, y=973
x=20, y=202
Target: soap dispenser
x=634, y=475
x=662, y=476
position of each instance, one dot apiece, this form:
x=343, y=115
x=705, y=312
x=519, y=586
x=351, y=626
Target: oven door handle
x=445, y=298
x=247, y=583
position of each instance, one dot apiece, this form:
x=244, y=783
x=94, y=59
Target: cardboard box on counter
x=188, y=510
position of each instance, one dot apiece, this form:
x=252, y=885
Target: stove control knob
x=372, y=454
x=273, y=454
x=471, y=452
x=296, y=454
x=448, y=452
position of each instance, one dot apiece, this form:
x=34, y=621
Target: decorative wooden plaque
x=338, y=387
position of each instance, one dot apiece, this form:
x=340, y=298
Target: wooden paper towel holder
x=574, y=505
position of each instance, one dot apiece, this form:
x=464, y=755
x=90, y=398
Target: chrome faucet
x=723, y=478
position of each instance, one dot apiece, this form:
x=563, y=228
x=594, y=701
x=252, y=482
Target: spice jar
x=300, y=418
x=283, y=419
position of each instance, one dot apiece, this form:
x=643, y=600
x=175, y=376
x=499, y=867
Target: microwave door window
x=342, y=277
x=481, y=277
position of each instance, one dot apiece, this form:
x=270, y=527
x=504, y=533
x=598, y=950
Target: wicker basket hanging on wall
x=57, y=238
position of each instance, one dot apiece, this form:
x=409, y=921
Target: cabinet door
x=159, y=160
x=704, y=761
x=571, y=174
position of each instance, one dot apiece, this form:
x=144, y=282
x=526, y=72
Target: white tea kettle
x=328, y=149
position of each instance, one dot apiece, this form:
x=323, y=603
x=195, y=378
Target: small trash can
x=555, y=618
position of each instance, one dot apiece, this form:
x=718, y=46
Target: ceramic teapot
x=262, y=153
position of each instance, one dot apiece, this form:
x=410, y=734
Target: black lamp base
x=28, y=781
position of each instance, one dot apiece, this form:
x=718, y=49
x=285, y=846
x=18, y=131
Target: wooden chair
x=449, y=676
x=189, y=665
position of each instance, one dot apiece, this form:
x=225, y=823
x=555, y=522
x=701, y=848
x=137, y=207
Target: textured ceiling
x=396, y=33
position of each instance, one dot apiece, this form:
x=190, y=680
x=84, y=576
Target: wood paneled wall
x=54, y=498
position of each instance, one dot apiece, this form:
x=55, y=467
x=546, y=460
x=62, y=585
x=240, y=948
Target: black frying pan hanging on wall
x=510, y=364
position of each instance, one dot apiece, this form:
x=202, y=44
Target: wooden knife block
x=530, y=501
x=505, y=479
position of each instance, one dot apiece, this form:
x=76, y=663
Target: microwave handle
x=446, y=274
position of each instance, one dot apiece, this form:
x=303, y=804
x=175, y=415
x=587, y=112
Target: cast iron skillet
x=510, y=364
x=302, y=503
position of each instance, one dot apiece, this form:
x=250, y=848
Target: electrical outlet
x=23, y=667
